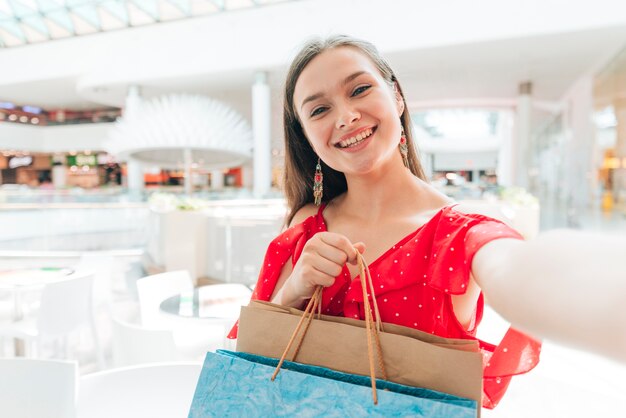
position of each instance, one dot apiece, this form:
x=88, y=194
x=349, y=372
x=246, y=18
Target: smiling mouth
x=355, y=140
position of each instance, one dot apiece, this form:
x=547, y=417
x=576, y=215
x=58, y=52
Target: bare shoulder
x=468, y=208
x=490, y=210
x=481, y=208
x=303, y=213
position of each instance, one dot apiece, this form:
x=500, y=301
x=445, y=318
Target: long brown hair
x=300, y=159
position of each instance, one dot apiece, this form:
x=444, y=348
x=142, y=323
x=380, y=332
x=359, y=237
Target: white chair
x=157, y=390
x=102, y=266
x=32, y=388
x=134, y=344
x=179, y=339
x=7, y=307
x=66, y=306
x=154, y=289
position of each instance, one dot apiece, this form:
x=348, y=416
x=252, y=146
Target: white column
x=261, y=112
x=217, y=180
x=134, y=176
x=506, y=134
x=619, y=174
x=132, y=102
x=59, y=176
x=247, y=174
x=521, y=142
x=579, y=133
x=188, y=160
x=134, y=168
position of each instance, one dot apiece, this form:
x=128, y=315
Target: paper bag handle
x=372, y=326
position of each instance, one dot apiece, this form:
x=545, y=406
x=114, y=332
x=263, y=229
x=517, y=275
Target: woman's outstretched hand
x=322, y=259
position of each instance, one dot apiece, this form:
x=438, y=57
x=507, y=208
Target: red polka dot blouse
x=414, y=281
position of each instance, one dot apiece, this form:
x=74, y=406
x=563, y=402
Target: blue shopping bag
x=235, y=384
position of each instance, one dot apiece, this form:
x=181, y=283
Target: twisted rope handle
x=373, y=326
x=307, y=316
x=371, y=329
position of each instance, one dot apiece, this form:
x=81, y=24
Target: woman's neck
x=371, y=195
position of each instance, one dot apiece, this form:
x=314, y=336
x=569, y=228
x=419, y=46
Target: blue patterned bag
x=235, y=384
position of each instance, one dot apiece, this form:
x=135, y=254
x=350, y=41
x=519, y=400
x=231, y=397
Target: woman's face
x=349, y=113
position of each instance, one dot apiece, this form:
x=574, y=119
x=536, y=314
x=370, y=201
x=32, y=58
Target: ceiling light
x=31, y=109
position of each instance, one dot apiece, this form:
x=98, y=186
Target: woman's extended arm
x=568, y=286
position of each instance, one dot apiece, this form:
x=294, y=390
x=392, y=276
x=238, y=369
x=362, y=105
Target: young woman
x=353, y=182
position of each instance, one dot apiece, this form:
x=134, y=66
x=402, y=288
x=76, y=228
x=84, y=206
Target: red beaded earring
x=404, y=148
x=318, y=186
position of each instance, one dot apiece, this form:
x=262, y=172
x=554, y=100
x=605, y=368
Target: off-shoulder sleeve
x=284, y=247
x=456, y=240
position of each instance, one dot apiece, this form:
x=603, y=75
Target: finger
x=341, y=242
x=328, y=267
x=324, y=279
x=331, y=253
x=358, y=248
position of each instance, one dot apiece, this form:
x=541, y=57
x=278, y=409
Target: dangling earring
x=404, y=148
x=318, y=187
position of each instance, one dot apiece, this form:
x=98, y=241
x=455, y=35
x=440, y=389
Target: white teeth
x=357, y=138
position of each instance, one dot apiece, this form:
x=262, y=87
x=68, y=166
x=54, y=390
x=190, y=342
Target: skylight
x=457, y=123
x=25, y=22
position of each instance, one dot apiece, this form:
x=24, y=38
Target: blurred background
x=141, y=142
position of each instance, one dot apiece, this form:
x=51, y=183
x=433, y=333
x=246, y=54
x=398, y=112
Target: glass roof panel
x=13, y=28
x=5, y=8
x=150, y=7
x=46, y=6
x=183, y=5
x=10, y=40
x=138, y=16
x=73, y=3
x=19, y=10
x=33, y=35
x=89, y=14
x=37, y=23
x=81, y=26
x=26, y=21
x=457, y=123
x=110, y=21
x=61, y=18
x=167, y=11
x=57, y=31
x=116, y=8
x=238, y=4
x=203, y=7
x=31, y=4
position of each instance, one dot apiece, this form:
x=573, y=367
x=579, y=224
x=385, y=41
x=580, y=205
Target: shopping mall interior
x=142, y=162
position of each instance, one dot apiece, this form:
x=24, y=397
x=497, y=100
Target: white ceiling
x=432, y=64
x=485, y=70
x=495, y=69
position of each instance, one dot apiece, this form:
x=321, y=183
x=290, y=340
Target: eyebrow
x=344, y=82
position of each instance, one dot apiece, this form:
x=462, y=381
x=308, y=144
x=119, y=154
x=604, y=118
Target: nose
x=348, y=115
